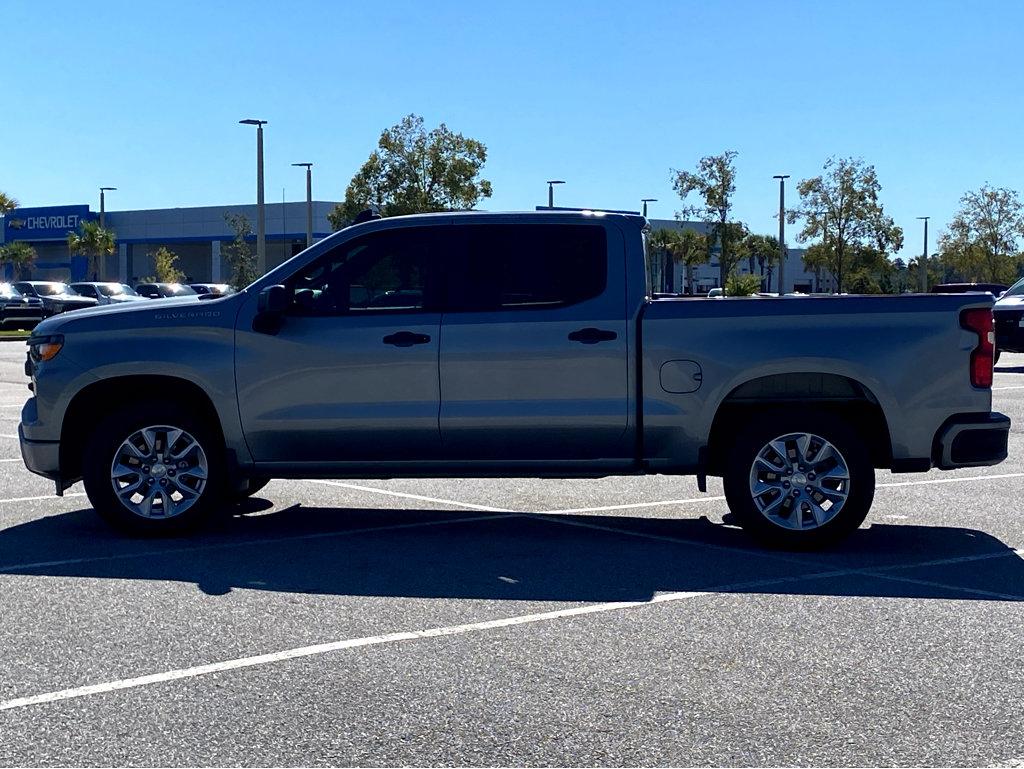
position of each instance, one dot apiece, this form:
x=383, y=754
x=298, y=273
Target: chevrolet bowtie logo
x=16, y=224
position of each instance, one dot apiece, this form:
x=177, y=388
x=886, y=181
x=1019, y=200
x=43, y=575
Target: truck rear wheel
x=799, y=479
x=154, y=469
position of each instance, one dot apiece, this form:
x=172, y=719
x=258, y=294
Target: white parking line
x=412, y=635
x=40, y=499
x=964, y=479
x=9, y=436
x=12, y=459
x=637, y=504
x=326, y=648
x=405, y=495
x=1010, y=387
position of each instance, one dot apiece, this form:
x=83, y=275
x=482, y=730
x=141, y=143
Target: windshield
x=176, y=289
x=115, y=289
x=8, y=291
x=1017, y=289
x=53, y=289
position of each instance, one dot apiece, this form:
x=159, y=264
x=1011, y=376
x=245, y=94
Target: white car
x=107, y=293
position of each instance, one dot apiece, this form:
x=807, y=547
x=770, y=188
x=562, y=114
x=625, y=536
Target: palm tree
x=692, y=250
x=664, y=243
x=19, y=255
x=7, y=203
x=763, y=249
x=94, y=242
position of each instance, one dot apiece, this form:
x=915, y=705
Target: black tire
x=838, y=432
x=252, y=486
x=995, y=359
x=101, y=450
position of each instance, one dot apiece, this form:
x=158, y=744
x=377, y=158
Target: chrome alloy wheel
x=799, y=481
x=159, y=471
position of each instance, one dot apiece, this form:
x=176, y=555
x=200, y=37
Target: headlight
x=45, y=347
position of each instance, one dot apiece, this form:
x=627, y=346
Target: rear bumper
x=971, y=440
x=40, y=457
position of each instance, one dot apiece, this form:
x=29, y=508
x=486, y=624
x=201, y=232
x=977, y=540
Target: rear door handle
x=592, y=336
x=406, y=339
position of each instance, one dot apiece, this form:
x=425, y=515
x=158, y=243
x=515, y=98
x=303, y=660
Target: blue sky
x=606, y=95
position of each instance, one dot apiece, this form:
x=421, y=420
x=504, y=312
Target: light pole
x=783, y=253
x=645, y=201
x=551, y=191
x=261, y=220
x=309, y=201
x=924, y=259
x=103, y=206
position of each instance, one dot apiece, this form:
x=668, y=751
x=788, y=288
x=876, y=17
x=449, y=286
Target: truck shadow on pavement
x=471, y=555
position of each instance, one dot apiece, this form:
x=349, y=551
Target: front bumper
x=971, y=440
x=40, y=457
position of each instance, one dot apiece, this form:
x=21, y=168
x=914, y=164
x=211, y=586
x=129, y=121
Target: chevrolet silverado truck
x=498, y=345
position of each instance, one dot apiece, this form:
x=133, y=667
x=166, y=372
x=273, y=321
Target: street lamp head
x=781, y=176
x=556, y=181
x=303, y=165
x=648, y=200
x=252, y=121
x=105, y=189
x=926, y=218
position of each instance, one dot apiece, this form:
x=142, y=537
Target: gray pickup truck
x=522, y=344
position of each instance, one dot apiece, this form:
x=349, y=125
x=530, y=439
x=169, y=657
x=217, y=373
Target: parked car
x=716, y=293
x=164, y=290
x=16, y=309
x=56, y=297
x=527, y=362
x=1009, y=319
x=107, y=293
x=996, y=289
x=217, y=289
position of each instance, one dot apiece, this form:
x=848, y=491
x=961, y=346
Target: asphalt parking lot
x=520, y=622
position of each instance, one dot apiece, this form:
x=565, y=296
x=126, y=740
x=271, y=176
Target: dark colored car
x=996, y=289
x=216, y=289
x=16, y=309
x=56, y=297
x=162, y=290
x=1008, y=313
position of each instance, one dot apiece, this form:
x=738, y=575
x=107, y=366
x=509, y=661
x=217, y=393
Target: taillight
x=979, y=320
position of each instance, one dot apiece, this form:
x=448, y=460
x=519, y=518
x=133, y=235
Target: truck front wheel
x=154, y=469
x=799, y=479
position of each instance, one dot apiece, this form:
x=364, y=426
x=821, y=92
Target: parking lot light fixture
x=924, y=258
x=551, y=191
x=645, y=201
x=103, y=206
x=261, y=219
x=309, y=201
x=783, y=252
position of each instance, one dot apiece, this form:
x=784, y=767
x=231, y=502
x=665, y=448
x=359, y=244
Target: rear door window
x=527, y=267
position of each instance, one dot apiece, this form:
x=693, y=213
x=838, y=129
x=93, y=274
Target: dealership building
x=198, y=235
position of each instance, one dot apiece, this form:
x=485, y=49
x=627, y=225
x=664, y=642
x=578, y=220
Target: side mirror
x=273, y=300
x=270, y=305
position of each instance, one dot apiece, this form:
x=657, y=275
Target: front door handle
x=592, y=336
x=406, y=339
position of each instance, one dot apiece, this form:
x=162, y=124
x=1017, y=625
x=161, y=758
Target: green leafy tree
x=7, y=203
x=713, y=184
x=238, y=252
x=817, y=260
x=982, y=241
x=94, y=242
x=163, y=266
x=742, y=284
x=416, y=171
x=841, y=207
x=19, y=255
